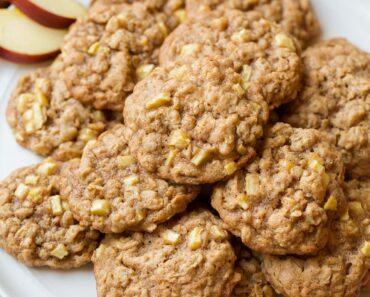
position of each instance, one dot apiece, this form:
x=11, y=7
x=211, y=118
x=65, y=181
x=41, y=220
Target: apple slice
x=51, y=13
x=25, y=41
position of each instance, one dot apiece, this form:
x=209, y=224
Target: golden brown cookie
x=109, y=191
x=296, y=17
x=339, y=269
x=186, y=257
x=45, y=119
x=284, y=201
x=114, y=46
x=335, y=98
x=194, y=123
x=36, y=224
x=265, y=55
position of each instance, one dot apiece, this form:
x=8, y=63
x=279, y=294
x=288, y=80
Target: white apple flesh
x=51, y=13
x=24, y=41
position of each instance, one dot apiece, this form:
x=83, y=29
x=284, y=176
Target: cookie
x=284, y=201
x=45, y=119
x=253, y=282
x=111, y=193
x=335, y=99
x=194, y=123
x=103, y=57
x=259, y=49
x=188, y=256
x=36, y=224
x=340, y=268
x=296, y=17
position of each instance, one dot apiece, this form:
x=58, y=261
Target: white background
x=350, y=19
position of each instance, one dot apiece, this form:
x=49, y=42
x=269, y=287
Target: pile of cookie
x=197, y=148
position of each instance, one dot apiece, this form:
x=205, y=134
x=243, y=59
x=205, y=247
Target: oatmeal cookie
x=47, y=120
x=194, y=123
x=109, y=50
x=284, y=201
x=335, y=98
x=259, y=49
x=188, y=256
x=340, y=268
x=296, y=17
x=36, y=225
x=111, y=193
x=253, y=282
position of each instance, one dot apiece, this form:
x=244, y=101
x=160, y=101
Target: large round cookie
x=259, y=49
x=105, y=50
x=110, y=192
x=295, y=16
x=194, y=123
x=283, y=202
x=340, y=268
x=188, y=256
x=36, y=224
x=47, y=120
x=335, y=98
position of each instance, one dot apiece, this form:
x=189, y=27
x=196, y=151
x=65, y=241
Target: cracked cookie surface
x=114, y=46
x=185, y=257
x=260, y=50
x=194, y=123
x=283, y=202
x=296, y=17
x=36, y=224
x=109, y=191
x=47, y=120
x=335, y=98
x=341, y=267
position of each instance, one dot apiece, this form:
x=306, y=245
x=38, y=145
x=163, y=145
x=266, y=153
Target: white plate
x=350, y=19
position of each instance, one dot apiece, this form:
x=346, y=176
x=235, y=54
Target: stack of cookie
x=230, y=108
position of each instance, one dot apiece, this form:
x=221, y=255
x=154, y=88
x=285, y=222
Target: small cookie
x=111, y=193
x=36, y=225
x=283, y=202
x=253, y=282
x=259, y=49
x=103, y=58
x=45, y=119
x=194, y=123
x=339, y=269
x=296, y=17
x=186, y=257
x=335, y=98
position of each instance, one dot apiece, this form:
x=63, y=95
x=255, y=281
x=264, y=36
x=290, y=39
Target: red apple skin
x=42, y=16
x=24, y=58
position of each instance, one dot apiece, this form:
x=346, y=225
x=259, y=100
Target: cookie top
x=188, y=256
x=45, y=119
x=341, y=267
x=36, y=224
x=296, y=17
x=282, y=203
x=253, y=282
x=194, y=123
x=266, y=55
x=107, y=51
x=335, y=98
x=111, y=193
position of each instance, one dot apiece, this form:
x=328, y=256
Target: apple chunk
x=51, y=13
x=24, y=41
